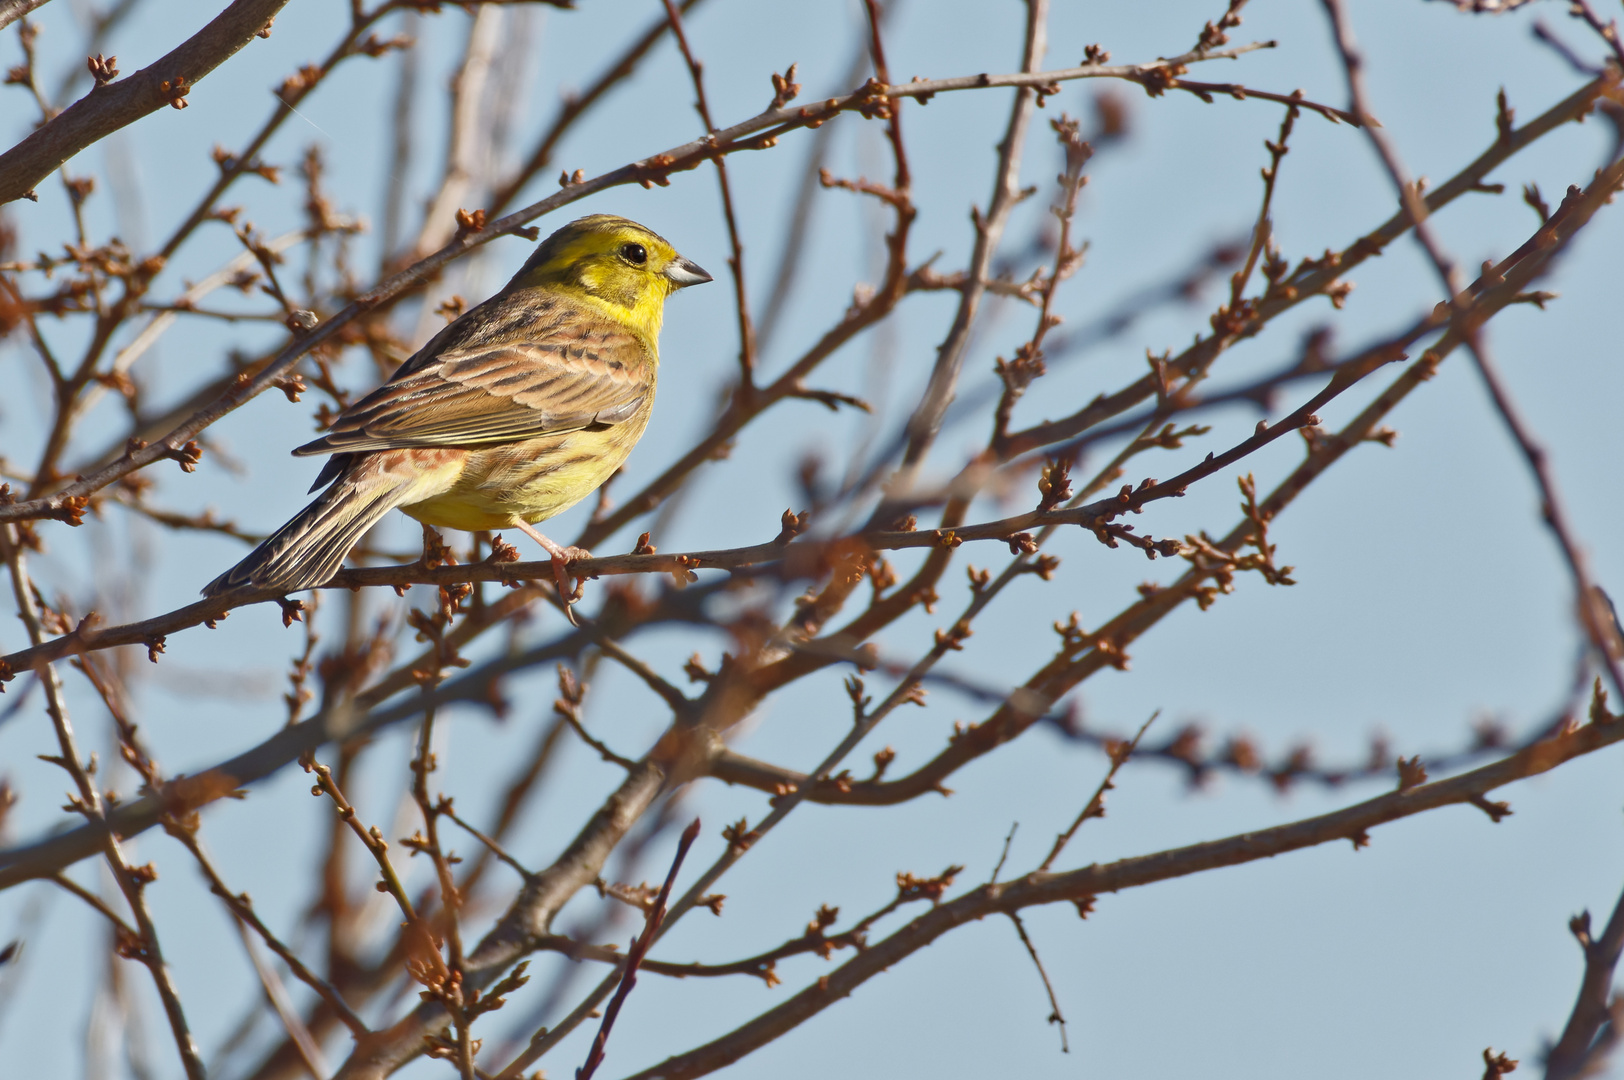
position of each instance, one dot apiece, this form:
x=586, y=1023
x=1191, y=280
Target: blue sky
x=1429, y=595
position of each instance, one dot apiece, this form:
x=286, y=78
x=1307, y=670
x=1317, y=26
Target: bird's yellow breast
x=531, y=480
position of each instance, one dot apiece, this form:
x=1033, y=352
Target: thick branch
x=801, y=559
x=12, y=10
x=1592, y=1010
x=114, y=105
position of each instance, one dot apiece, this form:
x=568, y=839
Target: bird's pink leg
x=561, y=559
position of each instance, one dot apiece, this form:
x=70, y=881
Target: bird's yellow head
x=615, y=263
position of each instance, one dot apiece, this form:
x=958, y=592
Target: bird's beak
x=682, y=273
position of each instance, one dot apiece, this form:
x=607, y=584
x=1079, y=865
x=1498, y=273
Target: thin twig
x=1593, y=622
x=679, y=702
x=1095, y=807
x=735, y=261
x=120, y=927
x=1351, y=823
x=371, y=838
x=1055, y=1015
x=496, y=849
x=444, y=981
x=277, y=994
x=989, y=228
x=243, y=912
x=634, y=955
x=750, y=134
x=1263, y=231
x=1003, y=855
x=91, y=805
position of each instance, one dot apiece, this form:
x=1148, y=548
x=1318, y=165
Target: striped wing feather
x=572, y=378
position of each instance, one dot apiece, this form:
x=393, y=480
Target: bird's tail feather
x=309, y=549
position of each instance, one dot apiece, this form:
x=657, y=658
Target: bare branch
x=755, y=133
x=468, y=131
x=1592, y=620
x=989, y=229
x=1095, y=807
x=634, y=955
x=1055, y=1015
x=111, y=106
x=12, y=10
x=90, y=804
x=242, y=910
x=1594, y=1012
x=747, y=332
x=765, y=617
x=1352, y=823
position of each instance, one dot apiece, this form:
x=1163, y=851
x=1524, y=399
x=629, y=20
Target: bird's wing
x=567, y=379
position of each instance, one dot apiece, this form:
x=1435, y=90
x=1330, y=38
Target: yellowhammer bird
x=513, y=413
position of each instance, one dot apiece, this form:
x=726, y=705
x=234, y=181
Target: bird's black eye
x=634, y=253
